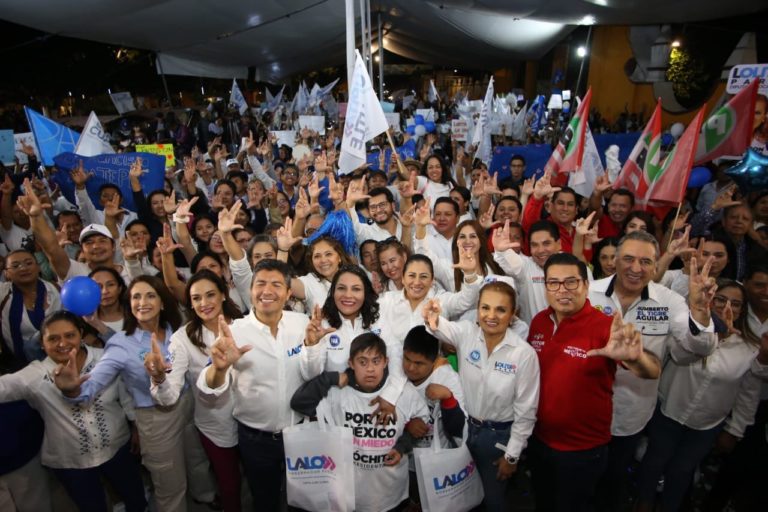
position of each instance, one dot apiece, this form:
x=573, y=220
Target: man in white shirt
x=258, y=357
x=381, y=205
x=445, y=218
x=663, y=318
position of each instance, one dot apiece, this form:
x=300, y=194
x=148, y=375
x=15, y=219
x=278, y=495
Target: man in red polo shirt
x=563, y=208
x=578, y=347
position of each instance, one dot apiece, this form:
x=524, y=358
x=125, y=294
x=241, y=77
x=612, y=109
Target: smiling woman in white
x=499, y=373
x=82, y=442
x=189, y=353
x=351, y=309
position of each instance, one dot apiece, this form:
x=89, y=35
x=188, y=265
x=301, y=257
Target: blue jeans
x=674, y=451
x=565, y=481
x=481, y=443
x=121, y=471
x=263, y=456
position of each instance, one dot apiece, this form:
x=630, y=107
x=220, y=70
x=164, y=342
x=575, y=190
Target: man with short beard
x=381, y=205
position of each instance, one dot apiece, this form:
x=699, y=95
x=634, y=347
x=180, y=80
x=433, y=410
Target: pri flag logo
x=310, y=463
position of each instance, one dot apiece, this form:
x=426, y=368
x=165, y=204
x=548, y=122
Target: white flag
x=482, y=135
x=433, y=95
x=326, y=90
x=93, y=141
x=365, y=119
x=123, y=102
x=407, y=100
x=583, y=179
x=237, y=99
x=274, y=101
x=519, y=126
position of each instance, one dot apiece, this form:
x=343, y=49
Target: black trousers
x=263, y=456
x=565, y=481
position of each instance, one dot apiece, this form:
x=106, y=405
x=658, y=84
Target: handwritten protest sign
x=7, y=152
x=112, y=169
x=29, y=140
x=459, y=129
x=165, y=150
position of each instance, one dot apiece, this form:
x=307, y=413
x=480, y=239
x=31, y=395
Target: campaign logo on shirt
x=334, y=341
x=508, y=368
x=652, y=320
x=295, y=350
x=608, y=310
x=576, y=352
x=474, y=355
x=537, y=342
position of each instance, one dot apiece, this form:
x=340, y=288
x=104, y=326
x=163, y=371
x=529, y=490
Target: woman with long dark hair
x=108, y=318
x=206, y=299
x=151, y=318
x=436, y=180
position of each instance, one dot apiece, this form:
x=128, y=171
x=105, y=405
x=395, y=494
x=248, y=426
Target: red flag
x=668, y=187
x=642, y=166
x=728, y=131
x=569, y=152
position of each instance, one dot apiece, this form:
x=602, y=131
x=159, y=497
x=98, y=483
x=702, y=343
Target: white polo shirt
x=664, y=320
x=502, y=385
x=266, y=377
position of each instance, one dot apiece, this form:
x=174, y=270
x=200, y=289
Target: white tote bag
x=319, y=467
x=447, y=477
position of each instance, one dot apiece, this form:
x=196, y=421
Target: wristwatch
x=510, y=459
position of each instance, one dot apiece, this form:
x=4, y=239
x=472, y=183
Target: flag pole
x=400, y=167
x=674, y=221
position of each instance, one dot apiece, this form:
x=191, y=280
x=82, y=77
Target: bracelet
x=282, y=250
x=180, y=219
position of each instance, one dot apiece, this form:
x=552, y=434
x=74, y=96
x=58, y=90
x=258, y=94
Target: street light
x=581, y=52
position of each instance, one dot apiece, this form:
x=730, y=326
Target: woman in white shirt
x=435, y=180
x=401, y=310
x=82, y=442
x=392, y=255
x=499, y=373
x=324, y=257
x=350, y=309
x=189, y=351
x=700, y=399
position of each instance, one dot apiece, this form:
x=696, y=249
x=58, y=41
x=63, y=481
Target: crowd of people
x=602, y=350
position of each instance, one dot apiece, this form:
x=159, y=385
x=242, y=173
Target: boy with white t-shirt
x=381, y=472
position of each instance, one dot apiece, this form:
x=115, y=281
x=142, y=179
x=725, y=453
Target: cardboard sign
x=165, y=150
x=428, y=113
x=287, y=137
x=394, y=120
x=29, y=140
x=314, y=123
x=7, y=147
x=459, y=130
x=742, y=75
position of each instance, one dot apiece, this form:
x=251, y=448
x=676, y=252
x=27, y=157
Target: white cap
x=232, y=161
x=95, y=229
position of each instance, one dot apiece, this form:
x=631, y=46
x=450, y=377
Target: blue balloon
x=699, y=177
x=667, y=139
x=751, y=173
x=81, y=295
x=418, y=119
x=430, y=126
x=410, y=129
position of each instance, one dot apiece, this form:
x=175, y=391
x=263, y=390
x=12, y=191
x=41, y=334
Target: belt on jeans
x=262, y=433
x=493, y=425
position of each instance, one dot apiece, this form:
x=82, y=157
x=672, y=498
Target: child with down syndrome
x=381, y=471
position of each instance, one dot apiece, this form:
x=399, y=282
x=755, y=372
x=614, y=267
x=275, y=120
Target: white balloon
x=420, y=130
x=676, y=130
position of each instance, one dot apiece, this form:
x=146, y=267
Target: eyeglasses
x=21, y=264
x=721, y=300
x=377, y=206
x=569, y=284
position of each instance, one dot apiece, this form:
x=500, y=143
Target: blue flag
x=537, y=110
x=109, y=169
x=51, y=137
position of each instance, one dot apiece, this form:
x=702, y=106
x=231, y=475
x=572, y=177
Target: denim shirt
x=124, y=357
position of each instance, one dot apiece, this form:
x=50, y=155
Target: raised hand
x=155, y=364
x=335, y=189
x=183, y=210
x=190, y=171
x=314, y=188
x=527, y=187
x=169, y=203
x=130, y=251
x=321, y=162
x=408, y=187
x=491, y=187
x=725, y=198
x=66, y=376
x=227, y=218
x=225, y=352
x=27, y=149
x=79, y=176
x=302, y=209
x=315, y=330
x=136, y=169
x=62, y=238
x=502, y=241
x=701, y=289
x=624, y=344
x=728, y=319
x=467, y=261
x=356, y=192
x=486, y=219
x=406, y=218
x=255, y=197
x=681, y=246
x=431, y=313
x=543, y=188
x=29, y=202
x=165, y=243
x=603, y=183
x=583, y=224
x=284, y=236
x=112, y=206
